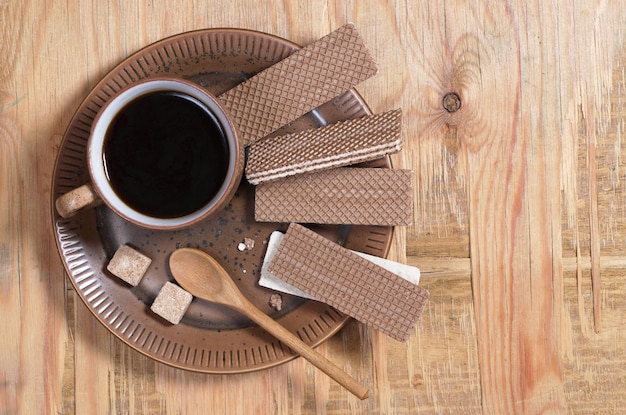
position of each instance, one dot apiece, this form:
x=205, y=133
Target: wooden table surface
x=520, y=204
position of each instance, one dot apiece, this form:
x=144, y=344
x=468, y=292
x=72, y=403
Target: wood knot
x=451, y=102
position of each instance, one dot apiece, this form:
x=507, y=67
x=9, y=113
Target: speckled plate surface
x=210, y=338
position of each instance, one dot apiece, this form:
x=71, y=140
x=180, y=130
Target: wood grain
x=520, y=198
x=514, y=207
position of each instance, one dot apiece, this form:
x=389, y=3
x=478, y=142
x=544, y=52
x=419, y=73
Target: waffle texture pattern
x=346, y=195
x=351, y=284
x=336, y=145
x=299, y=83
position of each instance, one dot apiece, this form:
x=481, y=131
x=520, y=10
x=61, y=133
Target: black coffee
x=166, y=155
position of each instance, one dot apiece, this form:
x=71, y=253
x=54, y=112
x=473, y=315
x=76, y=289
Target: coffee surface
x=166, y=155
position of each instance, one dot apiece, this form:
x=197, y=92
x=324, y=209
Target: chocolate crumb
x=249, y=243
x=276, y=302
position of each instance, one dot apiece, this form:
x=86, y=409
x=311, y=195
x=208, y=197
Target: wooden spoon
x=202, y=276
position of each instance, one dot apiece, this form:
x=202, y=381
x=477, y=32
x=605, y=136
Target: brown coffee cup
x=163, y=153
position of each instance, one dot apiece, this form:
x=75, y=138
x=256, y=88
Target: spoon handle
x=297, y=345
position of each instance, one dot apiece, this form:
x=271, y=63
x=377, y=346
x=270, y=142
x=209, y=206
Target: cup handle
x=77, y=199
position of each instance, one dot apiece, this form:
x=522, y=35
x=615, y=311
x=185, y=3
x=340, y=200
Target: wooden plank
x=511, y=134
x=11, y=379
x=10, y=298
x=588, y=380
x=512, y=172
x=33, y=327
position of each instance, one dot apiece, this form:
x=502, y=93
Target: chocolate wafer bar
x=268, y=280
x=351, y=284
x=299, y=83
x=346, y=195
x=336, y=145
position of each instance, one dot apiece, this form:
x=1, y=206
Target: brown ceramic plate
x=210, y=338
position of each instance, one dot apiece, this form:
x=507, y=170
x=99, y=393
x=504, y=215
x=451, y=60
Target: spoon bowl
x=202, y=276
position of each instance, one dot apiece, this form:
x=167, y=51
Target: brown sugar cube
x=171, y=303
x=129, y=265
